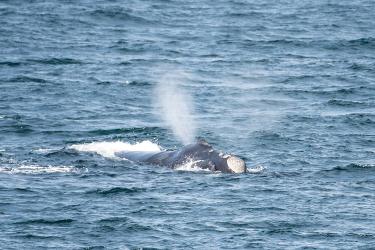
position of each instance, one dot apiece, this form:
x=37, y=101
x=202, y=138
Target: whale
x=201, y=153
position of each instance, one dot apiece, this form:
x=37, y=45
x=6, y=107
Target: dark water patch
x=129, y=83
x=10, y=64
x=104, y=83
x=117, y=190
x=351, y=90
x=117, y=13
x=363, y=236
x=56, y=61
x=39, y=237
x=24, y=190
x=138, y=227
x=345, y=103
x=138, y=83
x=27, y=79
x=261, y=208
x=62, y=153
x=210, y=55
x=352, y=168
x=125, y=63
x=18, y=128
x=362, y=67
x=123, y=223
x=286, y=42
x=244, y=14
x=365, y=119
x=54, y=222
x=361, y=43
x=365, y=182
x=272, y=191
x=93, y=248
x=335, y=93
x=15, y=117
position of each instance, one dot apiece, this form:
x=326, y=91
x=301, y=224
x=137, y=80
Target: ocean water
x=287, y=85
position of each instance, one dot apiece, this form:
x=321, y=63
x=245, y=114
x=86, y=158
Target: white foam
x=256, y=170
x=36, y=169
x=109, y=149
x=45, y=150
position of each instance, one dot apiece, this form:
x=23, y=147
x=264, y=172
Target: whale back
x=200, y=149
x=202, y=153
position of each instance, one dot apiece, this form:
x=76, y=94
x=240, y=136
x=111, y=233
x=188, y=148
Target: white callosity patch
x=109, y=149
x=191, y=165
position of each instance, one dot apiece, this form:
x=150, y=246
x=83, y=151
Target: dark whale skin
x=202, y=153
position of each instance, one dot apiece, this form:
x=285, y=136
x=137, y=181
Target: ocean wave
x=18, y=128
x=137, y=83
x=10, y=64
x=45, y=150
x=56, y=61
x=45, y=221
x=39, y=237
x=345, y=103
x=37, y=169
x=362, y=67
x=339, y=44
x=117, y=13
x=130, y=83
x=359, y=119
x=364, y=42
x=109, y=149
x=113, y=220
x=341, y=92
x=116, y=190
x=124, y=130
x=353, y=167
x=27, y=79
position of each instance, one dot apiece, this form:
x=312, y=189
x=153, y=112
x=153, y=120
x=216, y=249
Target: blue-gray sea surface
x=287, y=85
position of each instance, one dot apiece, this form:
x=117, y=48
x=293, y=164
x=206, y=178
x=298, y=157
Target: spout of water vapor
x=176, y=106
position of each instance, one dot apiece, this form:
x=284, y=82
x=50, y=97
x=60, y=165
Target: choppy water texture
x=287, y=85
